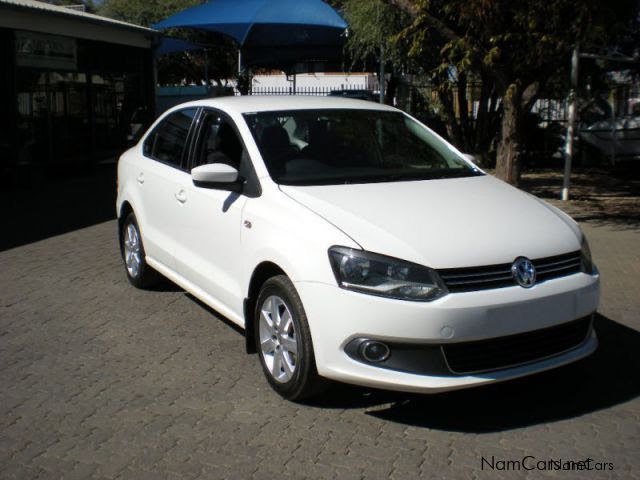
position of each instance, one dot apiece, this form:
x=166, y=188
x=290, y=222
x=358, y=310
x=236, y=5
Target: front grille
x=499, y=276
x=514, y=350
x=558, y=266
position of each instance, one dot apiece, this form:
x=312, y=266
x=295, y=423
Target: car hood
x=446, y=223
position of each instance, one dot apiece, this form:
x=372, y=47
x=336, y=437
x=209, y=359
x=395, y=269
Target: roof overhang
x=41, y=17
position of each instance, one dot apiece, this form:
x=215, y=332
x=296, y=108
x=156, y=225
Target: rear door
x=160, y=176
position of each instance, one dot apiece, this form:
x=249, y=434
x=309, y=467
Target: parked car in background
x=352, y=243
x=357, y=94
x=617, y=138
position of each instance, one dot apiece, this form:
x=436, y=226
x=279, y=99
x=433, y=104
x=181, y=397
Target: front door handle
x=181, y=196
x=140, y=178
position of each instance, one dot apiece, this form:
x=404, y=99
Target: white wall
x=334, y=81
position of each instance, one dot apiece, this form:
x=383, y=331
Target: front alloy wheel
x=278, y=343
x=283, y=341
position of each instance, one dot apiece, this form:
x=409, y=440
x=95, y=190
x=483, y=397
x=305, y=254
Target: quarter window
x=168, y=140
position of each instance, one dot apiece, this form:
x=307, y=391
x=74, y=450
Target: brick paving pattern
x=99, y=380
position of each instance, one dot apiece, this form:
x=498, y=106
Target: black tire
x=144, y=276
x=305, y=381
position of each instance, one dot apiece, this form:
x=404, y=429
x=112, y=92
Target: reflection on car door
x=159, y=176
x=208, y=253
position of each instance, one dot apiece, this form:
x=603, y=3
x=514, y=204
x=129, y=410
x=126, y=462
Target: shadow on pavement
x=57, y=206
x=607, y=196
x=609, y=377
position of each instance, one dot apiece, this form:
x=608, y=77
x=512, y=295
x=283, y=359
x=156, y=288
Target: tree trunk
x=508, y=156
x=391, y=89
x=485, y=125
x=463, y=109
x=449, y=117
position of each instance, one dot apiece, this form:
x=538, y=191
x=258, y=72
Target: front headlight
x=384, y=276
x=586, y=263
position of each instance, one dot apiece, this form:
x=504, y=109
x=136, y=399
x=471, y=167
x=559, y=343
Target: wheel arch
x=261, y=273
x=125, y=210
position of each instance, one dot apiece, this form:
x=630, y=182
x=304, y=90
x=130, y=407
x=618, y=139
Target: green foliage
x=187, y=67
x=144, y=12
x=519, y=49
x=514, y=40
x=373, y=24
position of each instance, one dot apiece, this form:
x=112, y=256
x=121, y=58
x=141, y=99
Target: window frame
x=186, y=150
x=252, y=186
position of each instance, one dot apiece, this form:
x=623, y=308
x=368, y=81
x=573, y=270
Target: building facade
x=71, y=86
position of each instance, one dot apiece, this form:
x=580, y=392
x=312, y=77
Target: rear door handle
x=140, y=178
x=181, y=196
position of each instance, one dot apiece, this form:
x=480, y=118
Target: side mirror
x=216, y=175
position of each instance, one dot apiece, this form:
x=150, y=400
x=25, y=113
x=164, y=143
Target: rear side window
x=168, y=140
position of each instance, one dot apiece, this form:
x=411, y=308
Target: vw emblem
x=524, y=272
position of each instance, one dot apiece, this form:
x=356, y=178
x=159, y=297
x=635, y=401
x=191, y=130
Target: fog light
x=374, y=352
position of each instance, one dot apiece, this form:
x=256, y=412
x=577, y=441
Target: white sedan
x=352, y=243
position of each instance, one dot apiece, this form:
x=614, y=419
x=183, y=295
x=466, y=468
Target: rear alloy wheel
x=139, y=273
x=283, y=341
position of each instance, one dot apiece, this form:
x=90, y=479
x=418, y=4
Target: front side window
x=339, y=146
x=168, y=140
x=218, y=142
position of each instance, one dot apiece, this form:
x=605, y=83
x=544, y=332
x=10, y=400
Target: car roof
x=266, y=103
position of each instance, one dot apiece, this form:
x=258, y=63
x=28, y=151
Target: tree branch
x=406, y=6
x=415, y=13
x=529, y=96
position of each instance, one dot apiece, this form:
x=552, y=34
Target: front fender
x=279, y=230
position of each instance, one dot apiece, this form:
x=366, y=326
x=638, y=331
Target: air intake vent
x=514, y=350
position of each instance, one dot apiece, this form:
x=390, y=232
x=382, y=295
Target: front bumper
x=337, y=317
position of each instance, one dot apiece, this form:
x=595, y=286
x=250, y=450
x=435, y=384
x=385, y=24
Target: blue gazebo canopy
x=172, y=45
x=238, y=18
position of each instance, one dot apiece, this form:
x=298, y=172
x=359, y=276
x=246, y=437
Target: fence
x=301, y=90
x=549, y=110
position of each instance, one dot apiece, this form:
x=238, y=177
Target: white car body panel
x=442, y=223
x=212, y=242
x=209, y=249
x=453, y=318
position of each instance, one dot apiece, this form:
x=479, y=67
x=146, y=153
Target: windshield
x=340, y=146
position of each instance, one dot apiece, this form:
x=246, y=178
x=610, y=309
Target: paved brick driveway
x=99, y=380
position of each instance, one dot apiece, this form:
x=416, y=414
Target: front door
x=209, y=252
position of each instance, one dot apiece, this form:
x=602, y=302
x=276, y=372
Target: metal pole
x=573, y=100
x=239, y=61
x=381, y=79
x=294, y=82
x=206, y=68
x=613, y=131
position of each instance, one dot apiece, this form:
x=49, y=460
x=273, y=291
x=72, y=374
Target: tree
x=378, y=24
x=518, y=47
x=219, y=62
x=144, y=12
x=372, y=29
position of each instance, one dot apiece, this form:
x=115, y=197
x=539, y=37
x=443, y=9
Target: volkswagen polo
x=354, y=244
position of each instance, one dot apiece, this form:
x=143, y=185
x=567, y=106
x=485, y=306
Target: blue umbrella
x=275, y=31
